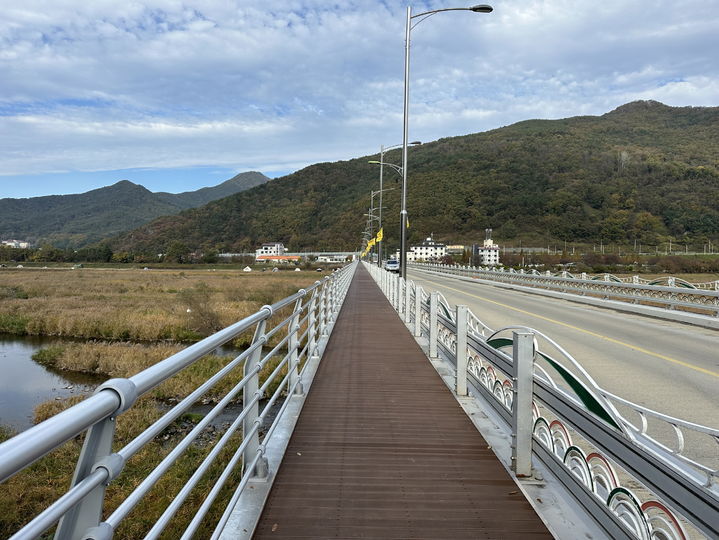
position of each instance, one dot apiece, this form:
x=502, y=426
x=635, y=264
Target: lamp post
x=482, y=8
x=370, y=225
x=382, y=150
x=379, y=192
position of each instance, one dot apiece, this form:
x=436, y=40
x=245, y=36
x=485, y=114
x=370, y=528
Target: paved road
x=669, y=367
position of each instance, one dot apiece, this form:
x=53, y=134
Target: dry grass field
x=136, y=305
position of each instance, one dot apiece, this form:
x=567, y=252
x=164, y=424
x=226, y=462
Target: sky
x=179, y=95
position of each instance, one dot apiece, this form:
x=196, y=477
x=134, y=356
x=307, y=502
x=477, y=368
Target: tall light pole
x=379, y=192
x=381, y=162
x=482, y=8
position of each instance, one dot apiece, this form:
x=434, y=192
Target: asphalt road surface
x=669, y=367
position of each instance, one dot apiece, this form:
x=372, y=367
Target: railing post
x=88, y=513
x=461, y=352
x=84, y=518
x=293, y=347
x=407, y=301
x=523, y=379
x=330, y=305
x=249, y=393
x=322, y=302
x=397, y=280
x=312, y=322
x=433, y=331
x=390, y=289
x=417, y=310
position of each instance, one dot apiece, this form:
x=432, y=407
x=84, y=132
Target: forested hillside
x=78, y=220
x=644, y=171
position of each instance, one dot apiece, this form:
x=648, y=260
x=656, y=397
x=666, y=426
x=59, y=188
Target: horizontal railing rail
x=308, y=315
x=636, y=479
x=669, y=293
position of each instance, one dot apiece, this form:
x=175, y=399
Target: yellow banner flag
x=371, y=243
x=380, y=235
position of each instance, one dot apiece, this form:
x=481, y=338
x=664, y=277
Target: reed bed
x=136, y=305
x=124, y=359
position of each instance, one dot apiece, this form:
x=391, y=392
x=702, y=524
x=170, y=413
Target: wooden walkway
x=383, y=450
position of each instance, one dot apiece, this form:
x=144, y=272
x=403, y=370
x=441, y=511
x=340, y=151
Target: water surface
x=24, y=383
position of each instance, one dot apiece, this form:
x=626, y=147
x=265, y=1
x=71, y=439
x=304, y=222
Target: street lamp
x=382, y=150
x=482, y=8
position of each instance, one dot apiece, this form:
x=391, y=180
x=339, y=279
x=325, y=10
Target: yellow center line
x=583, y=330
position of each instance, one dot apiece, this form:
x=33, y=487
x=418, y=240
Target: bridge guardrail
x=584, y=434
x=670, y=292
x=311, y=317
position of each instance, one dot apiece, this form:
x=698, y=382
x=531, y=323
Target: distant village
x=485, y=254
x=17, y=244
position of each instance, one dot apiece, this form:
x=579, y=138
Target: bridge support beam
x=523, y=379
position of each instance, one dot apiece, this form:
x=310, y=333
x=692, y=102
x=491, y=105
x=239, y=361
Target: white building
x=429, y=250
x=487, y=254
x=331, y=258
x=271, y=249
x=456, y=249
x=16, y=244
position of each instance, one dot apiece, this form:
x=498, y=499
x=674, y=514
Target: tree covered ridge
x=74, y=221
x=644, y=171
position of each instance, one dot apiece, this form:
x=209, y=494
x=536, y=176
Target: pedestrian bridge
x=374, y=409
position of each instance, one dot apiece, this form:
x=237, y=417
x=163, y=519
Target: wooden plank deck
x=383, y=450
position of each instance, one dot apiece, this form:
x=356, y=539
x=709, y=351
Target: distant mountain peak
x=639, y=106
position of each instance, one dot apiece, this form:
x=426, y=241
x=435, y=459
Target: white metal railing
x=79, y=510
x=669, y=292
x=559, y=415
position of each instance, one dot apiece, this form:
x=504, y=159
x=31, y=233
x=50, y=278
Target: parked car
x=392, y=266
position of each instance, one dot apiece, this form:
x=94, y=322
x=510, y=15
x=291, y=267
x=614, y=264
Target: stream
x=24, y=383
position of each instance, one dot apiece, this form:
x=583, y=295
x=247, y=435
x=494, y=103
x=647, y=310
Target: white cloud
x=274, y=84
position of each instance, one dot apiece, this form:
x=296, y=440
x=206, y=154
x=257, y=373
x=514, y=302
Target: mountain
x=643, y=171
x=78, y=220
x=193, y=199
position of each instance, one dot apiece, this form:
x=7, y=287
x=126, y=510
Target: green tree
x=177, y=252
